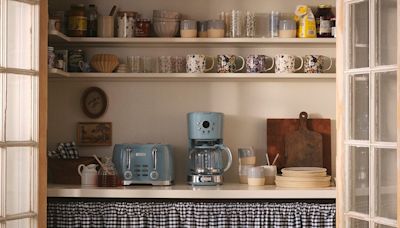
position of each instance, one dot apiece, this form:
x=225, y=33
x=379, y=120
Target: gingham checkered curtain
x=189, y=214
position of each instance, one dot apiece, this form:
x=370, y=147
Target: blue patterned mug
x=258, y=64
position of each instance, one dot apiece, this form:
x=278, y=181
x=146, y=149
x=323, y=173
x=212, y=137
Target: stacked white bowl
x=166, y=23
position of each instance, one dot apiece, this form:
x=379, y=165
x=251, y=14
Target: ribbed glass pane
x=386, y=36
x=358, y=38
x=385, y=106
x=2, y=179
x=2, y=105
x=386, y=177
x=19, y=35
x=359, y=107
x=356, y=223
x=359, y=179
x=20, y=223
x=19, y=108
x=19, y=170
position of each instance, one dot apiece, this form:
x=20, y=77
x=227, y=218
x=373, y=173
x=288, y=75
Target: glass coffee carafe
x=208, y=160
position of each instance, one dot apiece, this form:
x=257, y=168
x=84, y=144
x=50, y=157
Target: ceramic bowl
x=166, y=14
x=166, y=28
x=104, y=63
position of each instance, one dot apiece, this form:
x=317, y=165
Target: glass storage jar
x=77, y=21
x=142, y=28
x=107, y=175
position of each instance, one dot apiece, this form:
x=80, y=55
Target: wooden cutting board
x=277, y=129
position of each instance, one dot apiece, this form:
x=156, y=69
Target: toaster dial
x=128, y=175
x=154, y=175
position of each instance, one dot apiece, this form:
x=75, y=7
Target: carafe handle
x=229, y=154
x=80, y=169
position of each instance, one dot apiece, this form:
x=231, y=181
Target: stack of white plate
x=303, y=177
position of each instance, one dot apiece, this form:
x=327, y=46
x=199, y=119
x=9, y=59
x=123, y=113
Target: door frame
x=43, y=87
x=340, y=113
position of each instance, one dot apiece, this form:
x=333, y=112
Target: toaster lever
x=154, y=174
x=128, y=172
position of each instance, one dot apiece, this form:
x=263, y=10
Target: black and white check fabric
x=65, y=151
x=189, y=214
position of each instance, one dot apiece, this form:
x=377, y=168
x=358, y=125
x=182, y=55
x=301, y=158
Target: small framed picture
x=94, y=134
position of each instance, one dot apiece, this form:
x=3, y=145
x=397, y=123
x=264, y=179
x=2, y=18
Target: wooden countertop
x=185, y=191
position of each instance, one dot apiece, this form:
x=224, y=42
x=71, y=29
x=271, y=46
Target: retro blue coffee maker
x=206, y=149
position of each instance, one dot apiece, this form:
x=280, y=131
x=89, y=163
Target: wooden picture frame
x=94, y=134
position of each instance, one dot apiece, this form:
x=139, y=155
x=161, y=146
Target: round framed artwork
x=94, y=102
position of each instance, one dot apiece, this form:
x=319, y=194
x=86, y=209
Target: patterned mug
x=227, y=63
x=258, y=64
x=285, y=63
x=314, y=64
x=196, y=63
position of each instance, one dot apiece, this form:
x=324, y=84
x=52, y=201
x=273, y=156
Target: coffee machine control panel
x=205, y=125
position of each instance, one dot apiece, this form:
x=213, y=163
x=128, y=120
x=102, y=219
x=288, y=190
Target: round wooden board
x=304, y=179
x=304, y=172
x=302, y=184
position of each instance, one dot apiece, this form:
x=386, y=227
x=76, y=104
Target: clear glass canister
x=126, y=23
x=107, y=175
x=287, y=28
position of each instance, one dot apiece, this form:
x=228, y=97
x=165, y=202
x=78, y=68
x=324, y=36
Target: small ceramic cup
x=270, y=172
x=105, y=26
x=285, y=63
x=256, y=176
x=314, y=64
x=227, y=63
x=258, y=64
x=196, y=63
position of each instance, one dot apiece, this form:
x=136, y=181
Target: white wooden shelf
x=59, y=74
x=184, y=191
x=57, y=38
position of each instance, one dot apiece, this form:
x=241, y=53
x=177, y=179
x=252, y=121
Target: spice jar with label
x=77, y=21
x=142, y=28
x=126, y=24
x=323, y=18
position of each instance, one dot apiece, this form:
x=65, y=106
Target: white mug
x=285, y=63
x=196, y=63
x=88, y=175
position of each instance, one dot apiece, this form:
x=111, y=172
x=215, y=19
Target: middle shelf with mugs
x=59, y=74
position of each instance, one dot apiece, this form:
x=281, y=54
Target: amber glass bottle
x=77, y=21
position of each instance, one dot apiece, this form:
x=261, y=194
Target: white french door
x=367, y=93
x=19, y=113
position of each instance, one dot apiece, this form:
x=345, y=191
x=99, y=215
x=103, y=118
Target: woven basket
x=104, y=63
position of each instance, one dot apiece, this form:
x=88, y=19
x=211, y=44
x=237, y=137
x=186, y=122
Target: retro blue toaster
x=144, y=163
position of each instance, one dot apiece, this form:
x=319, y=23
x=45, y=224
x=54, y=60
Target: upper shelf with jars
x=169, y=28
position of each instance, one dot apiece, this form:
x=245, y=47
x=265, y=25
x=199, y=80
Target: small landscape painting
x=94, y=134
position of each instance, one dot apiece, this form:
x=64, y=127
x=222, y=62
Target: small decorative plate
x=94, y=102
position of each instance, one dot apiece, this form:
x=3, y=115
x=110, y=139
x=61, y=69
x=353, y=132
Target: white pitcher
x=88, y=175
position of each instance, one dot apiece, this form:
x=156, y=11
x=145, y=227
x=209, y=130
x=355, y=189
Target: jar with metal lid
x=75, y=56
x=323, y=18
x=126, y=23
x=51, y=57
x=77, y=21
x=142, y=28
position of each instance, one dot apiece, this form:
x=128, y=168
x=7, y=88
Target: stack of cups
x=247, y=160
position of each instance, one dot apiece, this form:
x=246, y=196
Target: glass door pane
x=386, y=21
x=19, y=35
x=19, y=182
x=359, y=179
x=356, y=223
x=385, y=106
x=386, y=177
x=358, y=35
x=359, y=107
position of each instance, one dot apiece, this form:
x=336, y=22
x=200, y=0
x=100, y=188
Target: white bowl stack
x=303, y=177
x=166, y=23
